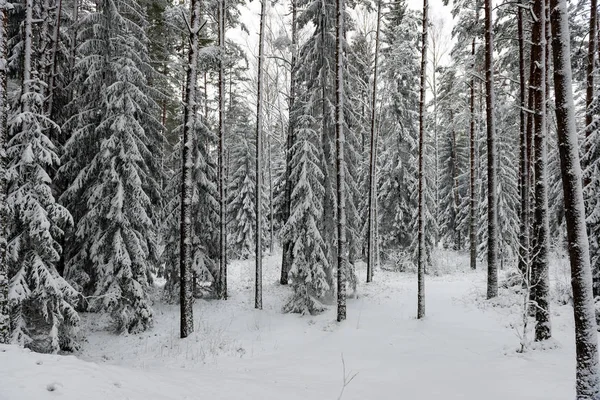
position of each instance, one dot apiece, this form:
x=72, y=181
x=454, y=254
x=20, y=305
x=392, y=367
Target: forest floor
x=466, y=347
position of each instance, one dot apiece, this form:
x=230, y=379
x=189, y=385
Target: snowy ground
x=465, y=348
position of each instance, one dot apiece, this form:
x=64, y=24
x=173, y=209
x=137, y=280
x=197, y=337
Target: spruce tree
x=111, y=167
x=41, y=302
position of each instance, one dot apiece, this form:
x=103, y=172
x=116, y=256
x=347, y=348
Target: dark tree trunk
x=373, y=159
x=186, y=299
x=287, y=244
x=539, y=276
x=586, y=340
x=222, y=278
x=524, y=161
x=492, y=256
x=473, y=167
x=342, y=246
x=421, y=211
x=4, y=307
x=259, y=149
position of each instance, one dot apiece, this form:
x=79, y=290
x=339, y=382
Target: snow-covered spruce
x=310, y=264
x=40, y=300
x=111, y=167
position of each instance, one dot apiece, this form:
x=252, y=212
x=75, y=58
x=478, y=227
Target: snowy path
x=458, y=352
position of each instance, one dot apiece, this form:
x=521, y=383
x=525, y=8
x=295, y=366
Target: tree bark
x=222, y=279
x=258, y=184
x=185, y=245
x=524, y=160
x=421, y=209
x=492, y=212
x=4, y=281
x=539, y=278
x=373, y=158
x=342, y=257
x=288, y=256
x=586, y=341
x=473, y=168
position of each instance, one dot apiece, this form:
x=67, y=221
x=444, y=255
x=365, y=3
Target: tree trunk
x=492, y=212
x=342, y=257
x=539, y=278
x=222, y=279
x=287, y=244
x=586, y=341
x=4, y=281
x=373, y=159
x=473, y=168
x=52, y=72
x=524, y=160
x=421, y=210
x=258, y=185
x=185, y=245
x=591, y=61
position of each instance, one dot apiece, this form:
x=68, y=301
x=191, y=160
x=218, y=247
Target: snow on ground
x=465, y=348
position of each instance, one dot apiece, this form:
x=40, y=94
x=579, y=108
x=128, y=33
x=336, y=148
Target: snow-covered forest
x=312, y=199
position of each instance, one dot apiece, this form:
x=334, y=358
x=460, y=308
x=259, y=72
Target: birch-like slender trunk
x=287, y=244
x=342, y=246
x=259, y=150
x=421, y=192
x=586, y=340
x=54, y=52
x=222, y=279
x=186, y=300
x=373, y=158
x=473, y=166
x=492, y=212
x=4, y=280
x=590, y=68
x=539, y=278
x=524, y=160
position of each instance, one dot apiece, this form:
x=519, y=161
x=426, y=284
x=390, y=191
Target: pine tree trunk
x=258, y=186
x=524, y=160
x=539, y=278
x=4, y=308
x=492, y=256
x=586, y=341
x=421, y=190
x=591, y=61
x=373, y=158
x=222, y=279
x=185, y=246
x=287, y=258
x=54, y=52
x=473, y=167
x=342, y=257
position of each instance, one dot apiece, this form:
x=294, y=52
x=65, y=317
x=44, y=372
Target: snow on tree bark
x=186, y=299
x=287, y=258
x=586, y=341
x=492, y=206
x=259, y=180
x=539, y=276
x=222, y=279
x=342, y=246
x=373, y=159
x=473, y=167
x=523, y=261
x=421, y=189
x=4, y=308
